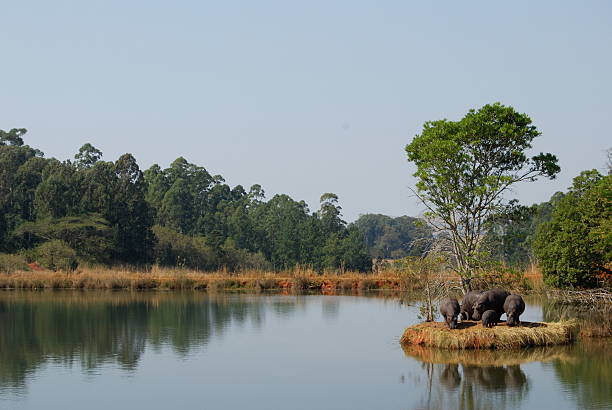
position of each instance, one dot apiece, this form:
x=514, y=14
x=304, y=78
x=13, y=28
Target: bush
x=89, y=235
x=11, y=263
x=237, y=259
x=56, y=255
x=574, y=248
x=498, y=275
x=175, y=249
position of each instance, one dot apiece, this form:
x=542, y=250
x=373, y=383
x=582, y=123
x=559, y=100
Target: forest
x=94, y=212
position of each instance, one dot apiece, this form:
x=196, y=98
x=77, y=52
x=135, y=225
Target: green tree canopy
x=89, y=235
x=463, y=169
x=87, y=156
x=576, y=245
x=104, y=212
x=511, y=232
x=394, y=238
x=12, y=137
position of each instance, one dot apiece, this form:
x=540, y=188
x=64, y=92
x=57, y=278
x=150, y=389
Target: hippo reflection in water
x=495, y=378
x=470, y=386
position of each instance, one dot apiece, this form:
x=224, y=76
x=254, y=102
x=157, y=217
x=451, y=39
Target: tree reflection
x=589, y=375
x=96, y=328
x=493, y=379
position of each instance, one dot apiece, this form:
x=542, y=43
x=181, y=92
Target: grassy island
x=471, y=335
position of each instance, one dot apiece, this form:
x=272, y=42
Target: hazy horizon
x=304, y=98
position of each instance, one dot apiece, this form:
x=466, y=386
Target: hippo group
x=487, y=306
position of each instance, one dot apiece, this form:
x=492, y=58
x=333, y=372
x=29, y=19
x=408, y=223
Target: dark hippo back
x=491, y=300
x=467, y=305
x=449, y=308
x=514, y=306
x=490, y=318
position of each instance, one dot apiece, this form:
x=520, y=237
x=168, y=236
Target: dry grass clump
x=486, y=357
x=471, y=335
x=181, y=279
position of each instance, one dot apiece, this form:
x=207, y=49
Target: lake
x=155, y=350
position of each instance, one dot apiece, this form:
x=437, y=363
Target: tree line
x=87, y=210
x=103, y=212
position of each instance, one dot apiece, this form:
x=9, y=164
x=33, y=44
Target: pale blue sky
x=304, y=97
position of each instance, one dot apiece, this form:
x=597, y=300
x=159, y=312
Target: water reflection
x=339, y=347
x=493, y=379
x=474, y=379
x=96, y=328
x=587, y=373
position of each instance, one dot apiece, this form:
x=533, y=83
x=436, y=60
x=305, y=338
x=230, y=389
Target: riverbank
x=171, y=279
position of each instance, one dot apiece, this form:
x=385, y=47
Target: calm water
x=75, y=350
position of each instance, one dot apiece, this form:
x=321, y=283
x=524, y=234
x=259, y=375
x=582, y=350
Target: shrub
x=56, y=255
x=237, y=259
x=89, y=235
x=11, y=263
x=175, y=249
x=498, y=275
x=574, y=248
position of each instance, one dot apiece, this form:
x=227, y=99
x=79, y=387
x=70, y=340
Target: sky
x=304, y=97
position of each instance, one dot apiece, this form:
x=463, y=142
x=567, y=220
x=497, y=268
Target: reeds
x=177, y=279
x=471, y=335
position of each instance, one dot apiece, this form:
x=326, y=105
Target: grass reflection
x=112, y=327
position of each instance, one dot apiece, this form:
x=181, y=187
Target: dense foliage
x=112, y=212
x=575, y=247
x=394, y=238
x=86, y=210
x=511, y=232
x=463, y=169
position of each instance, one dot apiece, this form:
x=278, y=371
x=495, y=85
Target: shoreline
x=159, y=279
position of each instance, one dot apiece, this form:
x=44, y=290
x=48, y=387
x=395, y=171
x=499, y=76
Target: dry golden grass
x=471, y=335
x=177, y=279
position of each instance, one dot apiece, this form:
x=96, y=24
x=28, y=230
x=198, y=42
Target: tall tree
x=132, y=216
x=59, y=193
x=12, y=137
x=576, y=245
x=330, y=213
x=463, y=169
x=20, y=173
x=87, y=156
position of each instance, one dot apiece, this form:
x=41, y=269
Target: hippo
x=467, y=305
x=491, y=299
x=449, y=307
x=514, y=306
x=490, y=318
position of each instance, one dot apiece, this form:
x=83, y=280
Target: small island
x=472, y=335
